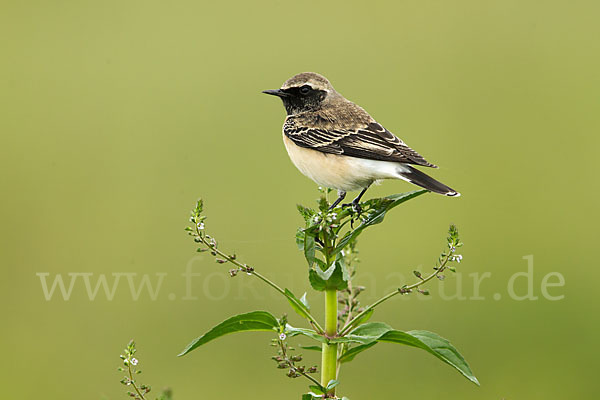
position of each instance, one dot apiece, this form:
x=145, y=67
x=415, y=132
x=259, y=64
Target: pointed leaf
x=306, y=212
x=371, y=333
x=339, y=278
x=304, y=301
x=309, y=248
x=434, y=344
x=296, y=304
x=252, y=321
x=373, y=329
x=354, y=351
x=342, y=264
x=365, y=334
x=332, y=383
x=312, y=348
x=300, y=238
x=316, y=389
x=316, y=281
x=364, y=318
x=332, y=278
x=292, y=331
x=325, y=275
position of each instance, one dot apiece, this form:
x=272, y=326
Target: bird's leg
x=356, y=202
x=341, y=196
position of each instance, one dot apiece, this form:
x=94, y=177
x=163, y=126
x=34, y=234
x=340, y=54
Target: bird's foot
x=356, y=208
x=356, y=211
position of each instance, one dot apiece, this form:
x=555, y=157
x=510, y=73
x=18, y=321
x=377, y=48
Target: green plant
x=139, y=391
x=328, y=241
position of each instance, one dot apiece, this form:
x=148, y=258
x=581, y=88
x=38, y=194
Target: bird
x=338, y=145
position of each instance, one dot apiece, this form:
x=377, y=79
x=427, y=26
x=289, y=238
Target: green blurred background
x=117, y=115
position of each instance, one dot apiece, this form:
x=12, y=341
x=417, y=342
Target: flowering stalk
x=453, y=243
x=130, y=364
x=211, y=245
x=284, y=360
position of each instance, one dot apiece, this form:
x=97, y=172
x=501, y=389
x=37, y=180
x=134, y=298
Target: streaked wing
x=372, y=142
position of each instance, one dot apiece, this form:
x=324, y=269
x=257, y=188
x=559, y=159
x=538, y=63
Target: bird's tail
x=419, y=178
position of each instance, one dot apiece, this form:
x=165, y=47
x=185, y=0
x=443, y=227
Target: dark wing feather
x=372, y=142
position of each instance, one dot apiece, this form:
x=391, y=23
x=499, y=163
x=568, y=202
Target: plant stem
x=133, y=382
x=329, y=351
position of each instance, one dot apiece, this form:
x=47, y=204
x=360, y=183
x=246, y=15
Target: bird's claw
x=356, y=208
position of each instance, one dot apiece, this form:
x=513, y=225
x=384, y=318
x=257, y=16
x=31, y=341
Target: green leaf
x=316, y=281
x=199, y=207
x=371, y=333
x=434, y=344
x=323, y=204
x=364, y=318
x=332, y=278
x=335, y=277
x=312, y=348
x=331, y=384
x=252, y=321
x=342, y=264
x=354, y=351
x=304, y=301
x=300, y=238
x=297, y=304
x=365, y=333
x=377, y=208
x=371, y=329
x=325, y=275
x=292, y=331
x=312, y=395
x=316, y=389
x=309, y=248
x=306, y=213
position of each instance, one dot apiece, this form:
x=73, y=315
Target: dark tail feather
x=419, y=178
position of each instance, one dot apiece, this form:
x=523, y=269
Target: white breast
x=340, y=172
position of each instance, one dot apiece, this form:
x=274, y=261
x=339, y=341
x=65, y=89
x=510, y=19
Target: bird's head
x=304, y=92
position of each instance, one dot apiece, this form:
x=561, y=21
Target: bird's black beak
x=276, y=92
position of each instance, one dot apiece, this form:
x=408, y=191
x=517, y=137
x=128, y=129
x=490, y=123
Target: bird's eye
x=305, y=89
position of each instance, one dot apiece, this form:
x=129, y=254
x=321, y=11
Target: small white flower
x=282, y=336
x=134, y=361
x=201, y=226
x=458, y=258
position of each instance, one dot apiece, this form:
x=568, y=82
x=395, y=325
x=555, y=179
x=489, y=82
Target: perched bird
x=339, y=145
